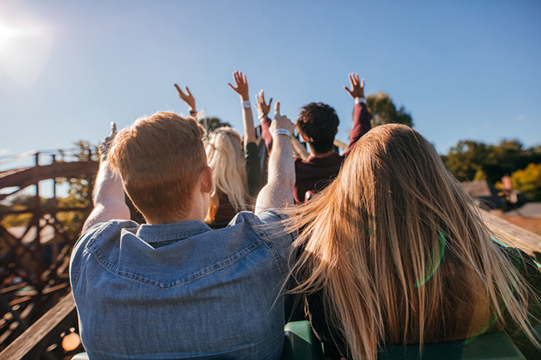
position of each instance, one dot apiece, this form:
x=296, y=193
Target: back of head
x=396, y=246
x=160, y=159
x=318, y=123
x=226, y=158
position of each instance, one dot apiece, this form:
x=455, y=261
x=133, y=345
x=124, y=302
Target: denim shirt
x=182, y=290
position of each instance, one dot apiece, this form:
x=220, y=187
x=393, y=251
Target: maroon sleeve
x=265, y=133
x=361, y=124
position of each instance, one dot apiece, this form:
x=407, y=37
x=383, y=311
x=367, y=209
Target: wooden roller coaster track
x=34, y=258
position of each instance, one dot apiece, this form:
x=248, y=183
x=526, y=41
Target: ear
x=206, y=180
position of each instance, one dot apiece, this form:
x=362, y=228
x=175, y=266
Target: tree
x=465, y=160
x=470, y=160
x=213, y=123
x=384, y=111
x=528, y=181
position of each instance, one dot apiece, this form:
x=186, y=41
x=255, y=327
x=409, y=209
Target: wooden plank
x=57, y=319
x=518, y=236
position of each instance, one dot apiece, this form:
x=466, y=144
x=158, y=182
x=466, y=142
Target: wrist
x=281, y=131
x=360, y=99
x=261, y=116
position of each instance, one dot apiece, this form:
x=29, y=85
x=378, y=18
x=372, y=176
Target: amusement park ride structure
x=34, y=258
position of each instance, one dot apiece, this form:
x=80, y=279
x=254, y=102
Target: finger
x=178, y=89
x=188, y=91
x=277, y=109
x=349, y=91
x=362, y=84
x=113, y=128
x=232, y=87
x=262, y=97
x=245, y=81
x=270, y=102
x=351, y=81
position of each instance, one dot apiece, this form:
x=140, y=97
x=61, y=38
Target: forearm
x=248, y=120
x=361, y=123
x=278, y=193
x=109, y=201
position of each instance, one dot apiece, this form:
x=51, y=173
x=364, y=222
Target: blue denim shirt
x=182, y=290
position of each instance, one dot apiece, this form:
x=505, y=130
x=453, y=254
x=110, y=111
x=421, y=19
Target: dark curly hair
x=318, y=123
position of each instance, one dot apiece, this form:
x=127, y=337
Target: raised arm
x=188, y=99
x=361, y=115
x=108, y=199
x=247, y=116
x=278, y=193
x=262, y=113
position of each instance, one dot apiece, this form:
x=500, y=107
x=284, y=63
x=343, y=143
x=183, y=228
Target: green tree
x=384, y=110
x=465, y=160
x=528, y=181
x=470, y=160
x=213, y=123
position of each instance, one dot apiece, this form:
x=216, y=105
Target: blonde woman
x=395, y=253
x=236, y=174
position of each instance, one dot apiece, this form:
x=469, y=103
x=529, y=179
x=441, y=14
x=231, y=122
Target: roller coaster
x=34, y=257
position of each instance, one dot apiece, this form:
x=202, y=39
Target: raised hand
x=357, y=89
x=242, y=85
x=187, y=97
x=262, y=108
x=105, y=145
x=281, y=121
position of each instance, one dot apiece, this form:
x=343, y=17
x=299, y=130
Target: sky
x=462, y=69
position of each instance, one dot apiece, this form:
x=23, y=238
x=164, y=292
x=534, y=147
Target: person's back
x=173, y=288
x=318, y=124
x=182, y=290
x=395, y=253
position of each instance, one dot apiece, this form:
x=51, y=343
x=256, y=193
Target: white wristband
x=360, y=100
x=246, y=104
x=261, y=116
x=282, y=132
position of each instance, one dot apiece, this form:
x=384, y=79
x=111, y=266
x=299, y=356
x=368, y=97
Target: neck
x=319, y=155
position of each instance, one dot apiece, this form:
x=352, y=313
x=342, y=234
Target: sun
x=9, y=35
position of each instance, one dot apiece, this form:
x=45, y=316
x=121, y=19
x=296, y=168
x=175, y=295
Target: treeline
x=474, y=160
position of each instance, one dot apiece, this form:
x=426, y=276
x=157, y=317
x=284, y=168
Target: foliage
x=213, y=123
x=470, y=159
x=384, y=110
x=528, y=181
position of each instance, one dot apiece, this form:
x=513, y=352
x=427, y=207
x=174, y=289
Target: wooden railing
x=63, y=315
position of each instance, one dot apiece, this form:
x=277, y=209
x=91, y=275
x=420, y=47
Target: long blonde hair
x=226, y=158
x=399, y=252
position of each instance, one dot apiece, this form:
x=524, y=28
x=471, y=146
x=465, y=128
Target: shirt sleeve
x=276, y=231
x=253, y=168
x=266, y=134
x=361, y=124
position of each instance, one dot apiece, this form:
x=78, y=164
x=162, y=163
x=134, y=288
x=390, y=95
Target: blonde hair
x=399, y=252
x=160, y=159
x=226, y=158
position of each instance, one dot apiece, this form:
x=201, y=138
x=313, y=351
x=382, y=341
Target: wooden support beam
x=518, y=236
x=37, y=336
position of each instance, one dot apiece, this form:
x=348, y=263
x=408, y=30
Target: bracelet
x=261, y=116
x=193, y=112
x=246, y=104
x=360, y=100
x=282, y=132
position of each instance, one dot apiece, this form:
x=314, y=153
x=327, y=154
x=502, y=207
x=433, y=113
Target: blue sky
x=463, y=69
